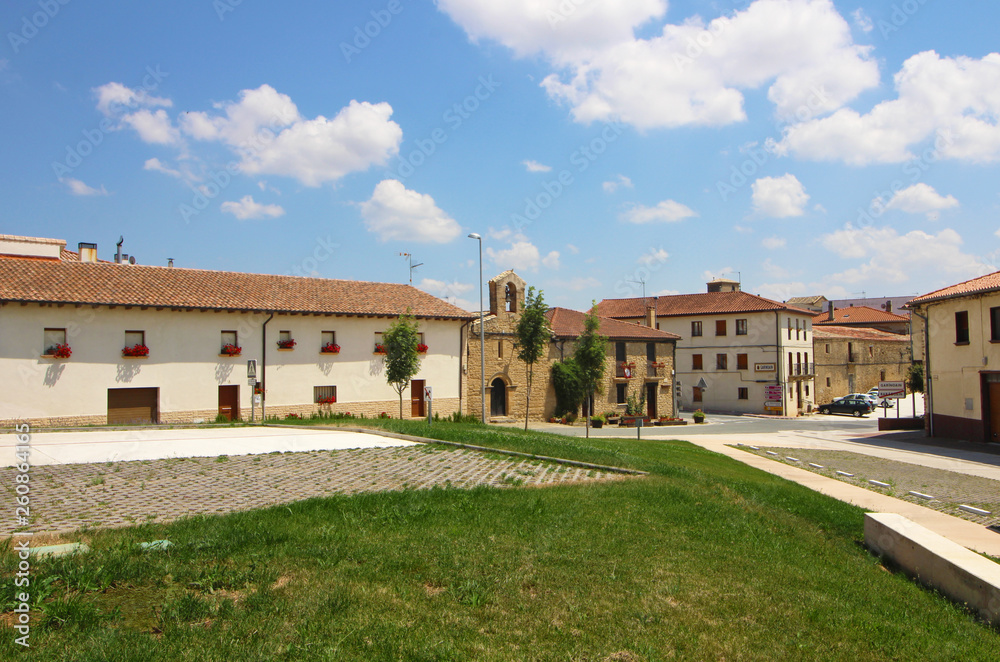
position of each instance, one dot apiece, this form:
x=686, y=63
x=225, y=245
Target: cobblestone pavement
x=949, y=489
x=71, y=496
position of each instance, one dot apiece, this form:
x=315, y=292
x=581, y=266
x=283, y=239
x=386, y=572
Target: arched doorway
x=498, y=397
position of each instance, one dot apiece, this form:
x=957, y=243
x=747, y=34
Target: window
x=789, y=328
x=743, y=393
x=510, y=298
x=720, y=327
x=827, y=348
x=995, y=324
x=324, y=395
x=696, y=362
x=619, y=351
x=962, y=327
x=133, y=338
x=741, y=327
x=828, y=382
x=229, y=338
x=53, y=338
x=620, y=393
x=327, y=339
x=742, y=362
x=722, y=362
x=805, y=330
x=285, y=340
x=696, y=328
x=850, y=352
x=797, y=331
x=499, y=349
x=650, y=351
x=696, y=394
x=881, y=375
x=807, y=390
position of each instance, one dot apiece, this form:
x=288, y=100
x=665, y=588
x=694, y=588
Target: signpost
x=252, y=381
x=773, y=395
x=894, y=390
x=428, y=398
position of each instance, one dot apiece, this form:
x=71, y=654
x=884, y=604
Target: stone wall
x=871, y=357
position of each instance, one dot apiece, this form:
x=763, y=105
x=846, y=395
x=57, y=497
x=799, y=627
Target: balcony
x=802, y=370
x=624, y=370
x=655, y=369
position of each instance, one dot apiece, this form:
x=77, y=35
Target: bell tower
x=506, y=293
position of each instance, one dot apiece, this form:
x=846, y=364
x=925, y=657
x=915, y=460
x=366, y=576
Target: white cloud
x=773, y=243
x=551, y=260
x=184, y=173
x=153, y=127
x=952, y=100
x=654, y=256
x=77, y=187
x=535, y=166
x=522, y=255
x=918, y=199
x=451, y=292
x=781, y=291
x=613, y=185
x=397, y=213
x=692, y=73
x=667, y=211
x=773, y=270
x=862, y=20
x=256, y=116
x=892, y=257
x=666, y=293
x=247, y=208
x=711, y=275
x=779, y=197
x=114, y=98
x=503, y=234
x=572, y=249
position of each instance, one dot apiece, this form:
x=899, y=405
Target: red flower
x=136, y=350
x=286, y=344
x=60, y=351
x=422, y=348
x=328, y=400
x=232, y=350
x=379, y=348
x=330, y=348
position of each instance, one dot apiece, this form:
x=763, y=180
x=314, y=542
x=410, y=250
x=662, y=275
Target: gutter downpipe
x=463, y=362
x=928, y=388
x=263, y=368
x=777, y=356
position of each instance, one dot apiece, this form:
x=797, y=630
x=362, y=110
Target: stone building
x=863, y=317
x=853, y=360
x=640, y=360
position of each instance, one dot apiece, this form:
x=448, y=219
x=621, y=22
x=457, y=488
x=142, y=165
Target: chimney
x=170, y=261
x=830, y=316
x=888, y=305
x=88, y=252
x=651, y=314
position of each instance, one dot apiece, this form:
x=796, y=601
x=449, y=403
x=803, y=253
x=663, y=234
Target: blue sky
x=804, y=146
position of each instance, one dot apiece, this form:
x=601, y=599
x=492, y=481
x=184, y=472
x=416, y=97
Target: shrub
x=568, y=384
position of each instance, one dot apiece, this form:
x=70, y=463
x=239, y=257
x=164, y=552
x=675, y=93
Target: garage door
x=132, y=405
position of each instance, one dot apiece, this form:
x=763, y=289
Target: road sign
x=256, y=399
x=702, y=384
x=252, y=369
x=252, y=381
x=427, y=393
x=893, y=390
x=773, y=392
x=772, y=404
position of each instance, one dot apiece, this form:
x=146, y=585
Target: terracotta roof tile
x=857, y=315
x=706, y=303
x=566, y=323
x=134, y=285
x=860, y=333
x=981, y=285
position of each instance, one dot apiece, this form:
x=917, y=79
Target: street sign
x=893, y=390
x=773, y=392
x=702, y=384
x=764, y=367
x=773, y=404
x=252, y=381
x=256, y=399
x=427, y=393
x=252, y=369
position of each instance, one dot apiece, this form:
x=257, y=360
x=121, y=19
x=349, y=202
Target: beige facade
x=506, y=375
x=855, y=360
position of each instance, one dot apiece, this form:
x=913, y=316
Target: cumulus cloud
x=153, y=127
x=613, y=185
x=862, y=20
x=115, y=98
x=247, y=208
x=889, y=256
x=397, y=213
x=535, y=166
x=918, y=199
x=779, y=197
x=950, y=100
x=522, y=255
x=451, y=292
x=653, y=256
x=667, y=211
x=691, y=73
x=77, y=187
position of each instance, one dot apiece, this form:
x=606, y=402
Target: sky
x=601, y=148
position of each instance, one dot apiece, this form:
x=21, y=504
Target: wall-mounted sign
x=764, y=367
x=773, y=392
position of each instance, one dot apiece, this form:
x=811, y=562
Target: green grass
x=706, y=558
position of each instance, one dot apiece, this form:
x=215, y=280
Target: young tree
x=533, y=335
x=402, y=361
x=915, y=382
x=591, y=349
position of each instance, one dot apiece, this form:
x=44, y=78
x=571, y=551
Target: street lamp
x=482, y=342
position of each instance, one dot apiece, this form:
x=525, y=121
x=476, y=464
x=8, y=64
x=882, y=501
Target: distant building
x=640, y=360
x=855, y=359
x=960, y=325
x=816, y=303
x=89, y=342
x=863, y=317
x=738, y=352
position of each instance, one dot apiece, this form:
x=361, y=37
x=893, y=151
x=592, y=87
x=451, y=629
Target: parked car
x=876, y=402
x=856, y=404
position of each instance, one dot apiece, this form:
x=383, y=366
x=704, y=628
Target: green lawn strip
x=704, y=559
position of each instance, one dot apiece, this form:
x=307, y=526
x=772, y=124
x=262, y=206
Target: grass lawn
x=705, y=558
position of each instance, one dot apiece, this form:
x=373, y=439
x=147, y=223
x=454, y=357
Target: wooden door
x=651, y=390
x=498, y=398
x=229, y=401
x=417, y=409
x=993, y=434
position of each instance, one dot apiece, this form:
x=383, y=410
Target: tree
x=915, y=382
x=566, y=380
x=533, y=335
x=591, y=349
x=402, y=361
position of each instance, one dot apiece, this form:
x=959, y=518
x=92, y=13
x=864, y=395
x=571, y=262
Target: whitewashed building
x=84, y=341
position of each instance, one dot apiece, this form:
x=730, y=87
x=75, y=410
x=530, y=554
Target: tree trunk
x=587, y=412
x=527, y=398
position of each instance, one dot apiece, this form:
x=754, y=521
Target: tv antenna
x=409, y=258
x=642, y=282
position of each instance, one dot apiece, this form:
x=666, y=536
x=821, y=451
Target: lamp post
x=482, y=343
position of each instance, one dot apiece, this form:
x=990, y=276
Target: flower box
x=62, y=351
x=135, y=352
x=330, y=348
x=286, y=344
x=379, y=349
x=629, y=421
x=231, y=350
x=670, y=421
x=421, y=348
x=329, y=400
